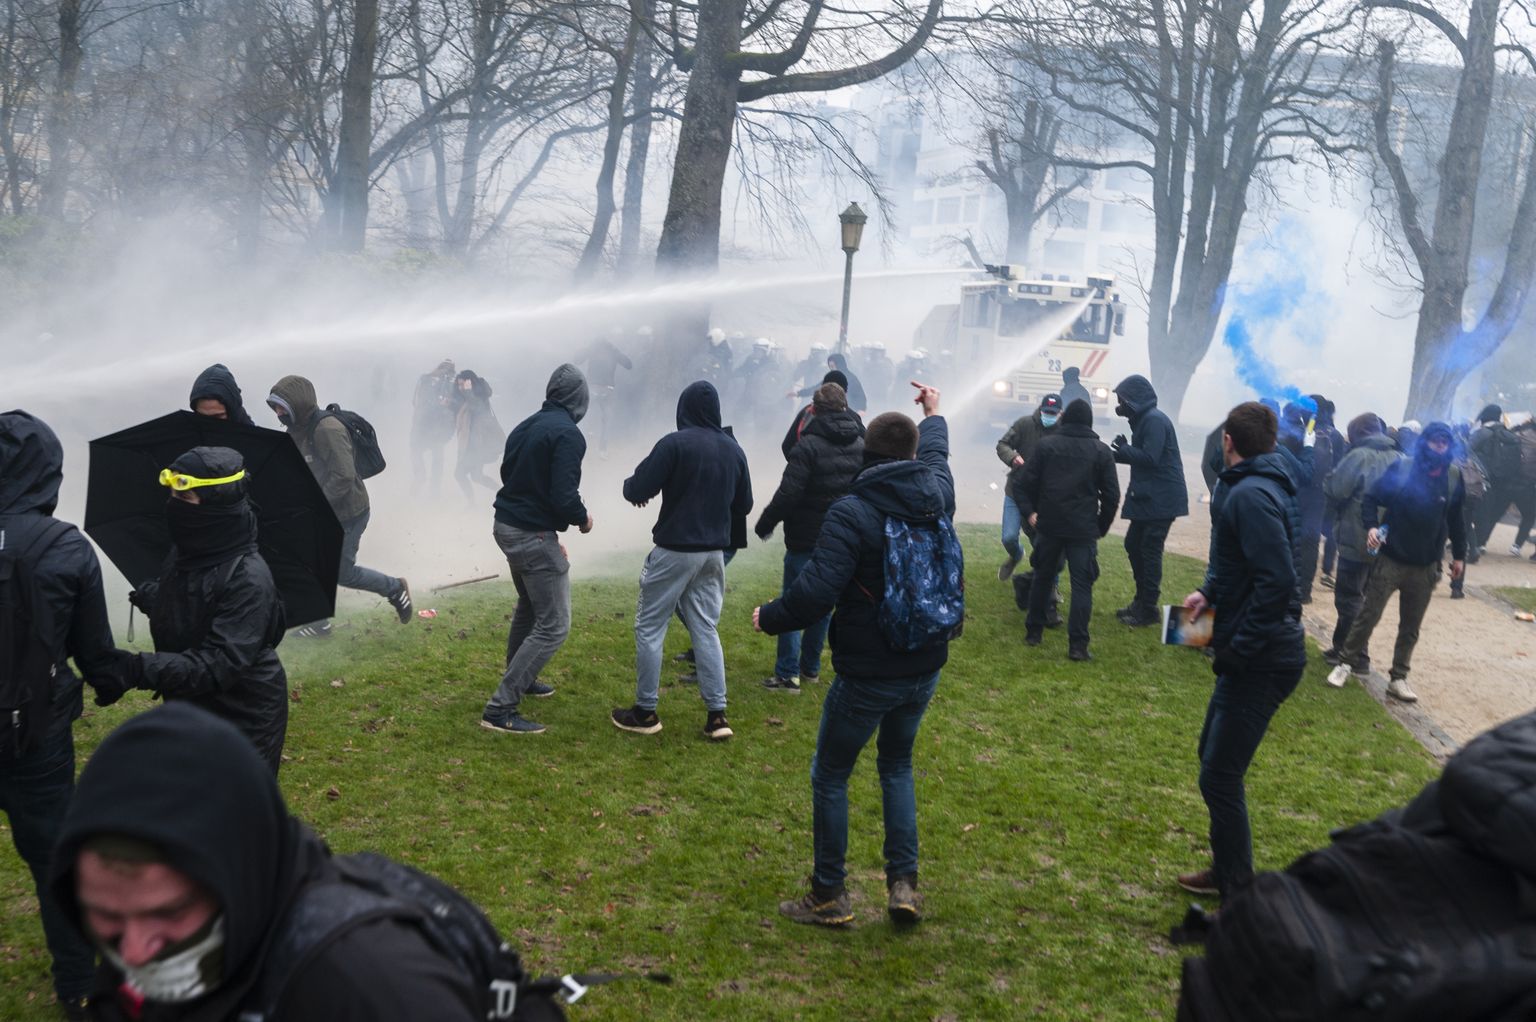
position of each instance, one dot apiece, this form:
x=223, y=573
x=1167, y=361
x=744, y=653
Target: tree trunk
x=642, y=96
x=255, y=133
x=355, y=134
x=602, y=217
x=1021, y=225
x=690, y=233
x=61, y=111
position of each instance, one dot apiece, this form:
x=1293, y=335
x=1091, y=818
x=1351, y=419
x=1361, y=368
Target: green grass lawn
x=1057, y=801
x=1523, y=597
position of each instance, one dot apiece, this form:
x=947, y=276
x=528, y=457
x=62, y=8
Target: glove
x=1228, y=664
x=126, y=672
x=1118, y=445
x=763, y=531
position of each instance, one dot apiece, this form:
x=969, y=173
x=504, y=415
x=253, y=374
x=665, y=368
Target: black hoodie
x=71, y=611
x=219, y=383
x=846, y=573
x=1157, y=491
x=541, y=463
x=1253, y=565
x=701, y=474
x=1070, y=480
x=856, y=399
x=1422, y=497
x=188, y=784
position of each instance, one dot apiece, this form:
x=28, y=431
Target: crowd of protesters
x=1375, y=509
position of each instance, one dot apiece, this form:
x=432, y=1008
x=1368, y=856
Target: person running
x=878, y=689
x=433, y=418
x=480, y=436
x=1156, y=495
x=1408, y=515
x=326, y=444
x=1014, y=449
x=821, y=468
x=37, y=745
x=216, y=395
x=1260, y=648
x=539, y=499
x=701, y=474
x=214, y=612
x=1069, y=495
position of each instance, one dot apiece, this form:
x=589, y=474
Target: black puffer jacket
x=1253, y=568
x=1157, y=491
x=846, y=573
x=184, y=782
x=820, y=470
x=219, y=383
x=1488, y=794
x=215, y=615
x=71, y=609
x=1071, y=482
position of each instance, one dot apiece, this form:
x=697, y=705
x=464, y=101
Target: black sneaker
x=511, y=723
x=400, y=599
x=685, y=657
x=778, y=684
x=716, y=728
x=1033, y=638
x=73, y=1009
x=691, y=678
x=636, y=721
x=1079, y=653
x=540, y=689
x=1458, y=594
x=1053, y=617
x=903, y=904
x=318, y=630
x=1140, y=617
x=819, y=910
x=1021, y=584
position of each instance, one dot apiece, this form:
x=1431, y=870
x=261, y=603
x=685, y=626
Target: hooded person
x=1371, y=453
x=433, y=422
x=855, y=390
x=1155, y=497
x=701, y=475
x=1408, y=516
x=905, y=476
x=215, y=394
x=1072, y=388
x=214, y=612
x=1260, y=648
x=180, y=862
x=1497, y=447
x=37, y=750
x=803, y=416
x=1014, y=449
x=539, y=499
x=480, y=436
x=821, y=468
x=326, y=444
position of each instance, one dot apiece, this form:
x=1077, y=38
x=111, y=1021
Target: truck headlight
x=1101, y=393
x=1002, y=388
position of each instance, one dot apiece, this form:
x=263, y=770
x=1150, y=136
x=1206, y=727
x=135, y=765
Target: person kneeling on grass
x=877, y=688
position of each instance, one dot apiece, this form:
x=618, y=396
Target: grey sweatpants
x=542, y=619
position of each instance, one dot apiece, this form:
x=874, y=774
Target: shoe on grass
x=540, y=689
x=512, y=723
x=1398, y=689
x=1141, y=617
x=636, y=721
x=1339, y=675
x=1203, y=882
x=400, y=599
x=716, y=727
x=1005, y=570
x=778, y=684
x=1033, y=638
x=819, y=910
x=1079, y=653
x=685, y=657
x=318, y=630
x=903, y=904
x=810, y=679
x=1053, y=617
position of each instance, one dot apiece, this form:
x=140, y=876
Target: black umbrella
x=298, y=533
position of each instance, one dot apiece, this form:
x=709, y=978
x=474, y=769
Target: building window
x=922, y=213
x=1124, y=217
x=949, y=210
x=972, y=209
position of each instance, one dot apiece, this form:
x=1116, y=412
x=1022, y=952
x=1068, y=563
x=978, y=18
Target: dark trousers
x=352, y=576
x=1311, y=536
x=34, y=793
x=1497, y=501
x=1348, y=597
x=1235, y=721
x=1144, y=547
x=1414, y=584
x=1082, y=559
x=1330, y=546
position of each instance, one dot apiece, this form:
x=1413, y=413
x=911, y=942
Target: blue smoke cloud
x=1280, y=310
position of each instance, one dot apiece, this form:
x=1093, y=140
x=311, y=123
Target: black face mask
x=207, y=534
x=1123, y=410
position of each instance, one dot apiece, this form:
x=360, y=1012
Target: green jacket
x=1365, y=463
x=326, y=446
x=1020, y=441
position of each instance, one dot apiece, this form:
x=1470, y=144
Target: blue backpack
x=924, y=585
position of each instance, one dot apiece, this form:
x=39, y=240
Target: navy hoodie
x=701, y=474
x=541, y=463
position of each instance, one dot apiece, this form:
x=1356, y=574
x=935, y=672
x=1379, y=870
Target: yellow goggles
x=180, y=483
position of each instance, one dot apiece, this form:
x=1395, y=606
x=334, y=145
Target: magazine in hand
x=1179, y=629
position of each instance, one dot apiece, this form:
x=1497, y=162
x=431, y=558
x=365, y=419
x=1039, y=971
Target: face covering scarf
x=177, y=976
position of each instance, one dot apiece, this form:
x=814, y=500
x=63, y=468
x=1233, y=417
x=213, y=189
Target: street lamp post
x=853, y=219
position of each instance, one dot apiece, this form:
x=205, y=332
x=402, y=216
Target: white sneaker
x=1397, y=688
x=1338, y=676
x=1514, y=550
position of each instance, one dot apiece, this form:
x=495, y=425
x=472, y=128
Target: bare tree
x=1445, y=350
x=1020, y=163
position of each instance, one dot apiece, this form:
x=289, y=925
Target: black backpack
x=1388, y=923
x=367, y=458
x=27, y=664
x=368, y=887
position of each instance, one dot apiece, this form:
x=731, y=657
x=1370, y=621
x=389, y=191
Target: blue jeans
x=1013, y=524
x=34, y=793
x=853, y=712
x=351, y=575
x=691, y=585
x=800, y=653
x=1235, y=721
